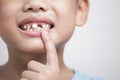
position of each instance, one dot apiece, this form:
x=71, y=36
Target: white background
x=94, y=48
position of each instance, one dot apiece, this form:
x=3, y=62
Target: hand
x=39, y=71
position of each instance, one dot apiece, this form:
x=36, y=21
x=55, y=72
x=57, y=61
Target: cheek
x=6, y=18
x=67, y=19
x=65, y=13
x=8, y=11
x=65, y=28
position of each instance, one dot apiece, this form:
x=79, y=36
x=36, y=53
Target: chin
x=34, y=50
x=32, y=47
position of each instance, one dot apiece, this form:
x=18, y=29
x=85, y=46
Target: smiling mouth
x=35, y=26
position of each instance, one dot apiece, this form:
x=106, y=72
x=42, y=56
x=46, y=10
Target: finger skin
x=24, y=79
x=30, y=75
x=52, y=57
x=36, y=66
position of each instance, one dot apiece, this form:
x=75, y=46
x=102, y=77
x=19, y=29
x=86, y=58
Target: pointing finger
x=52, y=58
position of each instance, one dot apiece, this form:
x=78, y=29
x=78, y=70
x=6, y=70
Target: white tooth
x=36, y=29
x=44, y=25
x=34, y=26
x=39, y=28
x=25, y=27
x=28, y=27
x=47, y=26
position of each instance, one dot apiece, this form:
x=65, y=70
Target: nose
x=35, y=5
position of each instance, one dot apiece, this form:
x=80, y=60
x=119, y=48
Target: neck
x=18, y=63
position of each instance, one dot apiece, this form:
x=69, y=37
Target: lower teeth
x=36, y=29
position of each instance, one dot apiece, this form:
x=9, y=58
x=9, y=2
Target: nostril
x=30, y=9
x=35, y=6
x=42, y=9
x=36, y=9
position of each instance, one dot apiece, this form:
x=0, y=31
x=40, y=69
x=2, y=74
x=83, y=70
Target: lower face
x=60, y=12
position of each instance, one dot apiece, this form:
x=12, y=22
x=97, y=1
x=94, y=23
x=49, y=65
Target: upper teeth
x=35, y=27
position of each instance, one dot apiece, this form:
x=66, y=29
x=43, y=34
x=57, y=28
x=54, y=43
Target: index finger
x=52, y=57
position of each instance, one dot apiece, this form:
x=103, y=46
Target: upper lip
x=36, y=20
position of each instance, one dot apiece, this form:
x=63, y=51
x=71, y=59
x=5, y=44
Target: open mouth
x=35, y=26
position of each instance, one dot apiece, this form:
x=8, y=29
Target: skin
x=39, y=58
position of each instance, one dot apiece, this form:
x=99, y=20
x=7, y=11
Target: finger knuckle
x=23, y=73
x=30, y=63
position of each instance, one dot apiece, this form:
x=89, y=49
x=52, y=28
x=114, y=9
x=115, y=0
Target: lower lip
x=33, y=33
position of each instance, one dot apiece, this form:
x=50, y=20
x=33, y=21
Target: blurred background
x=94, y=49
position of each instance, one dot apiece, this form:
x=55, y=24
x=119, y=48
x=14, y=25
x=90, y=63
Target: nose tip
x=35, y=5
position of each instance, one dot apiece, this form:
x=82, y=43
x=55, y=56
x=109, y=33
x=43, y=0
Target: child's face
x=16, y=13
